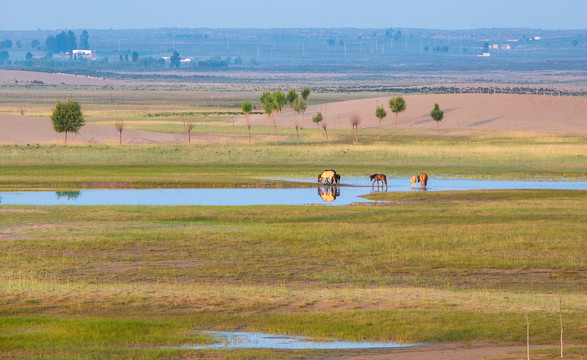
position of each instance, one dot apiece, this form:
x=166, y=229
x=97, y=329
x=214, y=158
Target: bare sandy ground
x=27, y=77
x=462, y=112
x=15, y=129
x=495, y=112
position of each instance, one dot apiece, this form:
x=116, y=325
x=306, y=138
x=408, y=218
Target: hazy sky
x=434, y=14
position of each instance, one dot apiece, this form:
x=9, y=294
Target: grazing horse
x=423, y=179
x=330, y=176
x=414, y=180
x=377, y=178
x=329, y=194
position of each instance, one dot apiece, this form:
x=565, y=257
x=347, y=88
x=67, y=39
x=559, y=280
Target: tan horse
x=423, y=179
x=414, y=180
x=377, y=178
x=330, y=176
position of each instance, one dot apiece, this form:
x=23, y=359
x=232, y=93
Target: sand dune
x=500, y=112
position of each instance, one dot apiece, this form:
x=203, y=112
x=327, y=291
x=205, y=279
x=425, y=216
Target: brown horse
x=330, y=176
x=377, y=178
x=414, y=180
x=423, y=179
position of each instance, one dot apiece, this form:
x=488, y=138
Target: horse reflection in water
x=329, y=193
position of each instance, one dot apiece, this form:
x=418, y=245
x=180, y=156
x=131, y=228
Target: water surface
x=250, y=340
x=349, y=192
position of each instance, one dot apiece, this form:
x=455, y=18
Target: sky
x=430, y=14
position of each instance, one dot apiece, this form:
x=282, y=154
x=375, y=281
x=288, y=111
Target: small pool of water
x=250, y=340
x=322, y=195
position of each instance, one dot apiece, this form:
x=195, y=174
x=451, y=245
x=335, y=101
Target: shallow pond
x=248, y=340
x=323, y=195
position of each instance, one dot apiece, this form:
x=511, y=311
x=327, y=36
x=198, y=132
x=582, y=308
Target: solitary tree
x=189, y=126
x=397, y=105
x=380, y=113
x=247, y=107
x=355, y=121
x=67, y=117
x=120, y=127
x=437, y=115
x=317, y=120
x=300, y=108
x=305, y=93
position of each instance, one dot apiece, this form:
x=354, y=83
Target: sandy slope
x=461, y=111
x=16, y=129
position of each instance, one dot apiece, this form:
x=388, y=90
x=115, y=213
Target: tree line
x=67, y=42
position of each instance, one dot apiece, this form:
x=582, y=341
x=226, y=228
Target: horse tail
x=385, y=180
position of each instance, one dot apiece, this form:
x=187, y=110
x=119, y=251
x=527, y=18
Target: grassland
x=124, y=281
x=221, y=165
x=134, y=282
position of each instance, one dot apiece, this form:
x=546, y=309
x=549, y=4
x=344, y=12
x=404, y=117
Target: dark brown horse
x=376, y=178
x=423, y=179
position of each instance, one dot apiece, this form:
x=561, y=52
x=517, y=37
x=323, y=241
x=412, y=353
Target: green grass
x=429, y=267
x=237, y=165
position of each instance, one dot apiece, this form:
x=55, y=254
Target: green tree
x=437, y=115
x=397, y=105
x=300, y=108
x=292, y=96
x=175, y=59
x=380, y=113
x=305, y=93
x=280, y=100
x=247, y=107
x=67, y=117
x=317, y=119
x=35, y=43
x=29, y=56
x=135, y=56
x=268, y=104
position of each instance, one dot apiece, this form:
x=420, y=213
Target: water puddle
x=349, y=193
x=250, y=340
